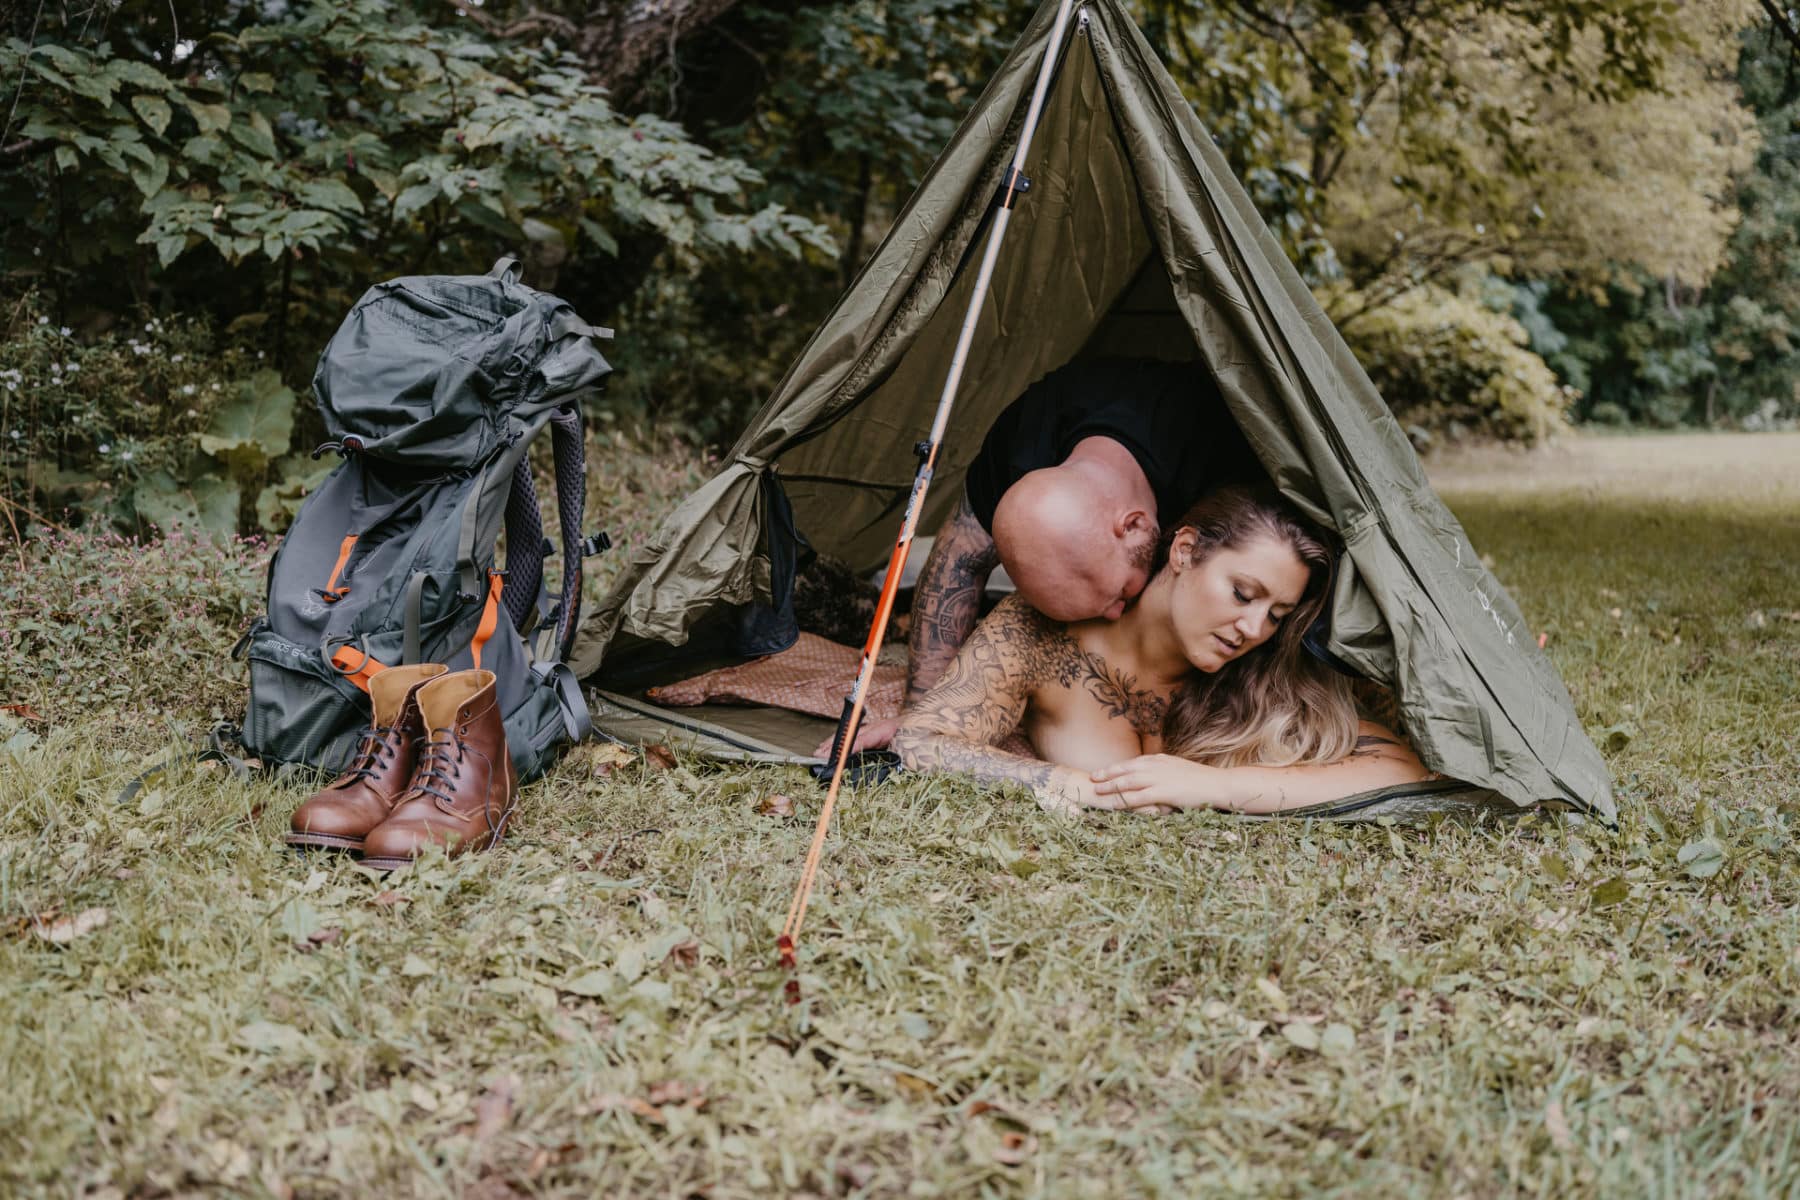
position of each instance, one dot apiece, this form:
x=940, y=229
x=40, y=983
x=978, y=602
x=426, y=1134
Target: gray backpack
x=432, y=391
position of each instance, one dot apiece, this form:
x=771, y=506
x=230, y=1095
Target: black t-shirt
x=1170, y=416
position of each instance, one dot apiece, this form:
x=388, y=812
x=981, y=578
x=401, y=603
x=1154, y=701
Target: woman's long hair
x=1276, y=705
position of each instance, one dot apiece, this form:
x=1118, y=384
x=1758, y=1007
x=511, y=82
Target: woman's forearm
x=1281, y=789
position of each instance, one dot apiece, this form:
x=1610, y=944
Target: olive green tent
x=1134, y=238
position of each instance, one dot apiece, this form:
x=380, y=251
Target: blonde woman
x=1200, y=696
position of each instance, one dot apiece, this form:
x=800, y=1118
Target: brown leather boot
x=463, y=783
x=340, y=815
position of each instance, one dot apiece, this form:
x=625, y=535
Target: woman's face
x=1233, y=602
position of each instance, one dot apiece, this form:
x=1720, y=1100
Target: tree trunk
x=626, y=40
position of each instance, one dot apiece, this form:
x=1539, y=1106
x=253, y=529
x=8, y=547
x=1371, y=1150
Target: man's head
x=1075, y=547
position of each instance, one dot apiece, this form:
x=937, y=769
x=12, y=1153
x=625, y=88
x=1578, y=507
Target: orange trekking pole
x=1012, y=184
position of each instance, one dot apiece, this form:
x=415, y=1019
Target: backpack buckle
x=594, y=543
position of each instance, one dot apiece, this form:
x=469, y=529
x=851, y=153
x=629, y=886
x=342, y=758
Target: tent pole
x=1013, y=183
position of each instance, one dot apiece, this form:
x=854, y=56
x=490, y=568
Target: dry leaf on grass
x=914, y=1088
x=649, y=1107
x=318, y=937
x=603, y=758
x=63, y=930
x=775, y=805
x=659, y=757
x=685, y=955
x=494, y=1107
x=389, y=899
x=1014, y=1149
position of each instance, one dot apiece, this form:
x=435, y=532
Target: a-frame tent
x=1134, y=238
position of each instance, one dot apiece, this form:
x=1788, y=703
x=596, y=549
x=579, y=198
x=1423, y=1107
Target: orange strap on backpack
x=332, y=592
x=358, y=665
x=490, y=617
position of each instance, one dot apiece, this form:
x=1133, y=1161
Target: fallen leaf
x=659, y=757
x=1014, y=1149
x=1702, y=858
x=674, y=1091
x=1273, y=993
x=1557, y=1126
x=1337, y=1040
x=1301, y=1034
x=603, y=758
x=271, y=1036
x=685, y=954
x=389, y=899
x=415, y=967
x=913, y=1087
x=775, y=805
x=1613, y=891
x=494, y=1107
x=590, y=983
x=27, y=713
x=644, y=1110
x=64, y=930
x=324, y=937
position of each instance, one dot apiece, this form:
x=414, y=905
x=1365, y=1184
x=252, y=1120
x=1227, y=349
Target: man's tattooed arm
x=947, y=598
x=981, y=698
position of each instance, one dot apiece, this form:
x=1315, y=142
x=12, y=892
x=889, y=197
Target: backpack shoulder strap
x=571, y=502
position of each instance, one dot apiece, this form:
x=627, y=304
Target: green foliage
x=149, y=426
x=1651, y=350
x=358, y=140
x=1451, y=367
x=859, y=100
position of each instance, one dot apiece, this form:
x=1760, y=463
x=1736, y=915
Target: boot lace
x=374, y=749
x=440, y=758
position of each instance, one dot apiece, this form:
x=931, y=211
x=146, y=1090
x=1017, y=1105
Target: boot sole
x=321, y=841
x=400, y=864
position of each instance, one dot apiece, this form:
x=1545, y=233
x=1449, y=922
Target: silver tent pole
x=1013, y=183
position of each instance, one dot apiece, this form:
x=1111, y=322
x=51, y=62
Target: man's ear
x=1135, y=524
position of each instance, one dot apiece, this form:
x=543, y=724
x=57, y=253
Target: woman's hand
x=1158, y=783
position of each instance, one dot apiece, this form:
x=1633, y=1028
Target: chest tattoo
x=1062, y=662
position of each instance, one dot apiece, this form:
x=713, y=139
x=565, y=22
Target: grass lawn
x=996, y=1001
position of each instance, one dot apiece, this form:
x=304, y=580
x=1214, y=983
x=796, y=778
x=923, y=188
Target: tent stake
x=1013, y=184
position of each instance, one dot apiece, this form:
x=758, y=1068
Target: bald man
x=1069, y=492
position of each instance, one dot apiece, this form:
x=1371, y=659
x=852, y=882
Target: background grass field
x=996, y=1001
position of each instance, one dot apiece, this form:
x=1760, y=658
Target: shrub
x=1452, y=368
x=152, y=424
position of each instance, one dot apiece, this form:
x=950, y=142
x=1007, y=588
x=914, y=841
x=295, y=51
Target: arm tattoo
x=1368, y=744
x=982, y=696
x=947, y=598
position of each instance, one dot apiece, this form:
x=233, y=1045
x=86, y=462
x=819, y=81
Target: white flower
x=187, y=389
x=106, y=447
x=125, y=456
x=175, y=358
x=43, y=320
x=66, y=331
x=149, y=328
